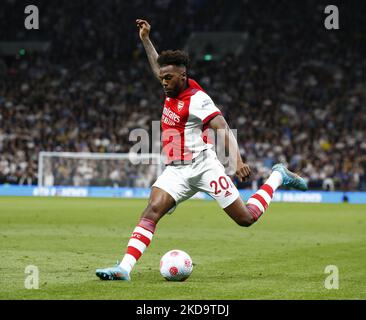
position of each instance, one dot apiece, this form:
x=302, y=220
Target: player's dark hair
x=173, y=57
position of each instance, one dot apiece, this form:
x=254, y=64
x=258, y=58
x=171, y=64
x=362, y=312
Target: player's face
x=173, y=80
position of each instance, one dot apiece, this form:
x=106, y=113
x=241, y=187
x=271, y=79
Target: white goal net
x=98, y=169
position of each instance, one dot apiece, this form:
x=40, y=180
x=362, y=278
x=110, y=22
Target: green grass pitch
x=282, y=256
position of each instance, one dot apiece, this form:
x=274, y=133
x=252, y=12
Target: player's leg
x=220, y=187
x=169, y=189
x=215, y=182
x=160, y=202
x=240, y=213
x=247, y=214
x=210, y=177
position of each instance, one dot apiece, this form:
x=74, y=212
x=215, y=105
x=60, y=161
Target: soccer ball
x=176, y=265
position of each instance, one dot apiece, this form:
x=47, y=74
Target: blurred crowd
x=60, y=171
x=297, y=93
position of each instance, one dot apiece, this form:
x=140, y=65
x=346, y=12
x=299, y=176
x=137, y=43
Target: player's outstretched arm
x=220, y=125
x=152, y=55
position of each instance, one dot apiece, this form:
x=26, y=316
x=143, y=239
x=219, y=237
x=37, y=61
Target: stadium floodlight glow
x=207, y=57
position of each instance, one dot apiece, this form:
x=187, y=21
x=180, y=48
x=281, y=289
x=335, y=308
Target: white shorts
x=205, y=174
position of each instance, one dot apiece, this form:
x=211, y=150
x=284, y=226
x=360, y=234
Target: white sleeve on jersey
x=202, y=106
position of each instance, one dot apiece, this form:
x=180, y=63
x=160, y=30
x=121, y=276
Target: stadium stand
x=296, y=94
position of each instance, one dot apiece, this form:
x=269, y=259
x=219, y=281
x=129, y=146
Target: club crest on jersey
x=180, y=105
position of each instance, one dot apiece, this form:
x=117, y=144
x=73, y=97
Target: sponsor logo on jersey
x=169, y=117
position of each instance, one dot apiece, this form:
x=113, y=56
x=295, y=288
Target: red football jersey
x=182, y=122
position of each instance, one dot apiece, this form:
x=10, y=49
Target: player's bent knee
x=245, y=220
x=244, y=223
x=240, y=214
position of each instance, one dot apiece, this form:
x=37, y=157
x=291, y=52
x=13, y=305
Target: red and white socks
x=139, y=241
x=258, y=202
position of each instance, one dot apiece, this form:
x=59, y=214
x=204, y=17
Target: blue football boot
x=113, y=273
x=289, y=178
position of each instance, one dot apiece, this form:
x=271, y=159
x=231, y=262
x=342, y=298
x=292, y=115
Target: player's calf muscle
x=160, y=203
x=153, y=211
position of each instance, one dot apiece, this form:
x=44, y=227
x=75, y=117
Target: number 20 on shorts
x=221, y=184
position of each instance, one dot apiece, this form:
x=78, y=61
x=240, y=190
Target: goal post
x=98, y=169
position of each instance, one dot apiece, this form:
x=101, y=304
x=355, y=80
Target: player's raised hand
x=243, y=172
x=144, y=28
